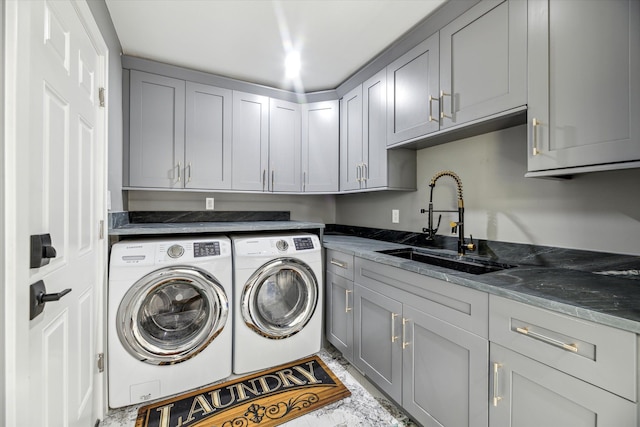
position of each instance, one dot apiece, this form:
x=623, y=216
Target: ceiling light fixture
x=292, y=64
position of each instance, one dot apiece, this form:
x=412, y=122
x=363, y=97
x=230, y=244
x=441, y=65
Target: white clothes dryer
x=169, y=317
x=277, y=299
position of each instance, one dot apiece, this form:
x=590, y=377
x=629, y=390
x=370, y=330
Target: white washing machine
x=170, y=317
x=277, y=299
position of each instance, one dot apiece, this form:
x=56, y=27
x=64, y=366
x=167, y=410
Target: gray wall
x=114, y=102
x=597, y=211
x=320, y=208
x=3, y=390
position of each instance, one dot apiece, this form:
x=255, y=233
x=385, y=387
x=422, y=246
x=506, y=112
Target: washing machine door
x=171, y=314
x=280, y=298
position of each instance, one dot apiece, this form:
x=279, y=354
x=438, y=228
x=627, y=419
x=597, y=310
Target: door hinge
x=100, y=362
x=101, y=96
x=101, y=230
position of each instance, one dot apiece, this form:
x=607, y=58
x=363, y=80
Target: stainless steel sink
x=466, y=265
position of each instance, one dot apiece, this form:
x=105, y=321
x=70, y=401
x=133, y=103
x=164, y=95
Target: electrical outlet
x=209, y=203
x=395, y=216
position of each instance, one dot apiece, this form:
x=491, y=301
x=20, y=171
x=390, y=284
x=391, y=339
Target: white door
x=54, y=114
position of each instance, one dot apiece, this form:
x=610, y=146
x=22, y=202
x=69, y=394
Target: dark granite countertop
x=599, y=287
x=196, y=222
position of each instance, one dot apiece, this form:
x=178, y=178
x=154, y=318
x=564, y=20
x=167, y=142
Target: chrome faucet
x=455, y=226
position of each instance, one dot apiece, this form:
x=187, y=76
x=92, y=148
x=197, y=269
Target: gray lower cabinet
x=157, y=129
x=377, y=339
x=339, y=313
x=549, y=369
x=365, y=162
x=339, y=301
x=320, y=147
x=250, y=148
x=584, y=85
x=405, y=344
x=527, y=393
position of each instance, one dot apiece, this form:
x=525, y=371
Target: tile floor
x=366, y=407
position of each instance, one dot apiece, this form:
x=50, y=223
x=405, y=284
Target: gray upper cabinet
x=365, y=161
x=250, y=148
x=284, y=146
x=351, y=140
x=413, y=90
x=472, y=70
x=157, y=124
x=180, y=134
x=483, y=62
x=584, y=85
x=320, y=146
x=207, y=154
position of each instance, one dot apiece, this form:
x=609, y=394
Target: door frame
x=14, y=226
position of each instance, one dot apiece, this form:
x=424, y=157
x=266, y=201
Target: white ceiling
x=248, y=39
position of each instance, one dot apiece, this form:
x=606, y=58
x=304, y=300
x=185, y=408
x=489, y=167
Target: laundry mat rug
x=264, y=399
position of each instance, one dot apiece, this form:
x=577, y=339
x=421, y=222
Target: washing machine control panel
x=303, y=243
x=202, y=249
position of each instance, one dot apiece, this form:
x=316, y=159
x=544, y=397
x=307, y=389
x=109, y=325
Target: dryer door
x=280, y=298
x=171, y=314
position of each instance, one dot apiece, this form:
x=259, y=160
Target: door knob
x=39, y=297
x=41, y=250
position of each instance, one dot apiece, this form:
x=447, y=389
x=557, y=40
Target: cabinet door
x=351, y=140
x=374, y=131
x=156, y=156
x=377, y=349
x=207, y=137
x=339, y=314
x=250, y=148
x=285, y=156
x=584, y=84
x=443, y=364
x=483, y=68
x=320, y=146
x=527, y=393
x=412, y=99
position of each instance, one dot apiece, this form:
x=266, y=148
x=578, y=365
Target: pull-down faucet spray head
x=455, y=226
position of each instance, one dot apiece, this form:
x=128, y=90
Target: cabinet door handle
x=442, y=95
x=365, y=174
x=338, y=263
x=496, y=397
x=394, y=337
x=264, y=178
x=346, y=300
x=189, y=174
x=358, y=173
x=405, y=343
x=570, y=347
x=304, y=181
x=535, y=123
x=431, y=118
x=179, y=173
x=273, y=179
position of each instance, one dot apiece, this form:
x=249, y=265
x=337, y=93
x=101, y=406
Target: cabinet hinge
x=101, y=96
x=101, y=229
x=100, y=362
